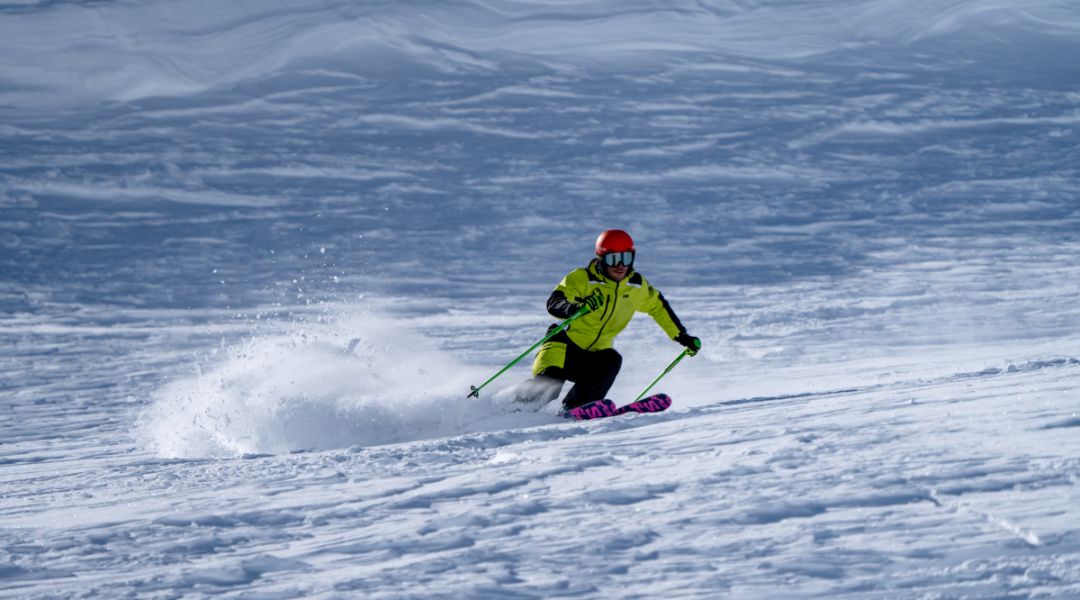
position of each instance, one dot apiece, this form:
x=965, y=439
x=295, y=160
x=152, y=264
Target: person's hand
x=593, y=301
x=691, y=343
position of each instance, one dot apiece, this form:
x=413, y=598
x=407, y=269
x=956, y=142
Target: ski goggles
x=614, y=259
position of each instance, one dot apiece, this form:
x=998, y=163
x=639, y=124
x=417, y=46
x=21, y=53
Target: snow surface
x=253, y=255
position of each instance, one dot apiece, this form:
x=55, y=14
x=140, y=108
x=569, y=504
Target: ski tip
x=657, y=398
x=652, y=404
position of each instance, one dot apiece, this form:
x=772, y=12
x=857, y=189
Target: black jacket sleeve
x=558, y=306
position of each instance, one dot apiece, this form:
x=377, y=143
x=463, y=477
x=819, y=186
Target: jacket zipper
x=614, y=301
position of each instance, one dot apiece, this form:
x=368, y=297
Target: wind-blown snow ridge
x=1025, y=367
x=186, y=47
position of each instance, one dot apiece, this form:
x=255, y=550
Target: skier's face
x=617, y=264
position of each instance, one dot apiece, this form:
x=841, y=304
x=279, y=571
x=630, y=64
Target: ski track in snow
x=253, y=255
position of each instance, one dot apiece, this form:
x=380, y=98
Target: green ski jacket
x=597, y=329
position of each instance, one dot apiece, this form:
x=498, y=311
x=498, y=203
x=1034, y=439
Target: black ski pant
x=593, y=373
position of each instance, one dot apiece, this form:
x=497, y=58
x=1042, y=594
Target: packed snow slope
x=253, y=255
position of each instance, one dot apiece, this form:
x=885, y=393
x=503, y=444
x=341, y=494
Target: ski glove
x=593, y=301
x=692, y=343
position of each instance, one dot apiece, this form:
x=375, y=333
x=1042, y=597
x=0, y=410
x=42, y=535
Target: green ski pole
x=681, y=356
x=475, y=393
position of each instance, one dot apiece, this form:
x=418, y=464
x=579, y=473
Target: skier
x=583, y=353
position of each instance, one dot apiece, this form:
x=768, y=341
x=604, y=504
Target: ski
x=654, y=403
x=606, y=408
x=597, y=409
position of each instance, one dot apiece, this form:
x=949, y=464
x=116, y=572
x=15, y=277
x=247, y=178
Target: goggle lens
x=613, y=259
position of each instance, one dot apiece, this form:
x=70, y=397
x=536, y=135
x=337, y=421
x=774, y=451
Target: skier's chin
x=618, y=273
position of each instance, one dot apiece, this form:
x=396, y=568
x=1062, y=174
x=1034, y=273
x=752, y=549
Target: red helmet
x=614, y=240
